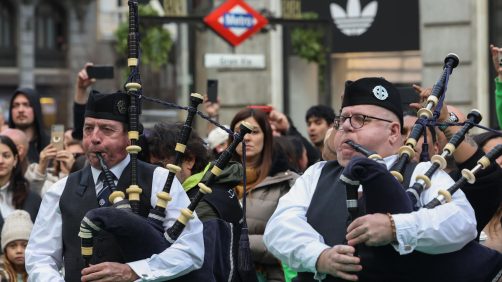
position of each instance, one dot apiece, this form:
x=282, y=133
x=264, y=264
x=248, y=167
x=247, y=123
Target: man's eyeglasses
x=356, y=120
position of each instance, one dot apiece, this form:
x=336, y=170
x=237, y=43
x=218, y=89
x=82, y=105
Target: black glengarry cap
x=373, y=91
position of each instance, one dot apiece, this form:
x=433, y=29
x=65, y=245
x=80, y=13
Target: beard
x=23, y=126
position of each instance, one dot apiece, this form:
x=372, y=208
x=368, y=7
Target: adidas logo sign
x=354, y=22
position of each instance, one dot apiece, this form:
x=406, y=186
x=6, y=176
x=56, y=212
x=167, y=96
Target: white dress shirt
x=443, y=229
x=6, y=206
x=45, y=247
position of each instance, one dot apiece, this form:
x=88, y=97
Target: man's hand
x=66, y=159
x=109, y=271
x=211, y=108
x=83, y=81
x=279, y=122
x=339, y=261
x=372, y=229
x=424, y=94
x=48, y=153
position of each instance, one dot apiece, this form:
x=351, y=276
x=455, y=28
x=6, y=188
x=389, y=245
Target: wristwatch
x=452, y=118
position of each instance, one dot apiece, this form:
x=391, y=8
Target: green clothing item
x=289, y=274
x=230, y=176
x=193, y=180
x=498, y=100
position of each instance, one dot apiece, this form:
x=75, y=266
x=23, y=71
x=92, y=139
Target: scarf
x=251, y=178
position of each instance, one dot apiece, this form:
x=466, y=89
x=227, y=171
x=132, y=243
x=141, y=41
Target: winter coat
x=262, y=201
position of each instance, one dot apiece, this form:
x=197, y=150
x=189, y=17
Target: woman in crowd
x=268, y=178
x=15, y=235
x=53, y=165
x=14, y=190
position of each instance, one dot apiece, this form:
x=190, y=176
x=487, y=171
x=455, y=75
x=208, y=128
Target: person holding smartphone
x=79, y=100
x=55, y=163
x=496, y=53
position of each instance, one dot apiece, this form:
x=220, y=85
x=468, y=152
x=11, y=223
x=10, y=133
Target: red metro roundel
x=235, y=21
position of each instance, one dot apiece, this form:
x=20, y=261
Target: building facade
x=44, y=43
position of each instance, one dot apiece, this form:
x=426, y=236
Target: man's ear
x=395, y=133
x=21, y=150
x=436, y=148
x=189, y=163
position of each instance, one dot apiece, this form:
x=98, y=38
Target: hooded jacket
x=42, y=138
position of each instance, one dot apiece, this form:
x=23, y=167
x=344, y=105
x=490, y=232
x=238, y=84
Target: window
x=50, y=35
x=7, y=35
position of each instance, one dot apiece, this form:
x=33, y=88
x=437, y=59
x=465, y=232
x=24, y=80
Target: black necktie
x=104, y=194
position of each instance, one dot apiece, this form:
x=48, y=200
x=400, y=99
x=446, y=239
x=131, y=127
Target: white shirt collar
x=116, y=169
x=4, y=188
x=390, y=160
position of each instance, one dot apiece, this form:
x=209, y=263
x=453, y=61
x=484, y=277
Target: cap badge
x=380, y=92
x=121, y=106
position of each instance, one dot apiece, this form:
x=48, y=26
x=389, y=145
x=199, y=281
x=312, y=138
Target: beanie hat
x=17, y=226
x=216, y=137
x=373, y=91
x=114, y=106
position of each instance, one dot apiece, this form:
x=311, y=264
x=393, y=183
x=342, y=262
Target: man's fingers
x=272, y=116
x=349, y=267
x=345, y=256
x=91, y=269
x=355, y=224
x=96, y=272
x=82, y=75
x=417, y=88
x=347, y=276
x=357, y=235
x=344, y=249
x=359, y=240
x=343, y=263
x=416, y=106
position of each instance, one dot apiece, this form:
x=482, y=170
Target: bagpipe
x=141, y=237
x=425, y=114
x=383, y=192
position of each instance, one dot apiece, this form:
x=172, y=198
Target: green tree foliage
x=308, y=43
x=155, y=41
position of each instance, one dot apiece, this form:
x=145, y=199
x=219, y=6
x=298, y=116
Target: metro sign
x=235, y=21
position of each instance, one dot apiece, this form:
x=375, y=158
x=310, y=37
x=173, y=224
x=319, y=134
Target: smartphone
x=100, y=72
x=57, y=136
x=264, y=108
x=212, y=90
